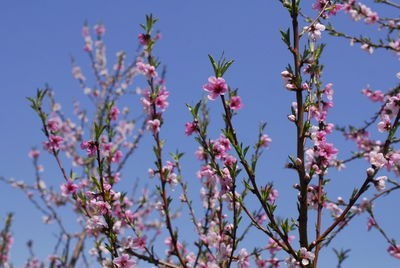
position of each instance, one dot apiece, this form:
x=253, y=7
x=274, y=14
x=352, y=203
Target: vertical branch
x=163, y=179
x=319, y=218
x=303, y=217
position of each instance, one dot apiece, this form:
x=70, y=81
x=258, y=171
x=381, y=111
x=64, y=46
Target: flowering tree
x=123, y=230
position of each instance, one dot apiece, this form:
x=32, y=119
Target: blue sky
x=38, y=38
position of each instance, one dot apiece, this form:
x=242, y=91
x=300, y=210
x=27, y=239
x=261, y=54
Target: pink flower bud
x=292, y=118
x=305, y=86
x=370, y=172
x=290, y=86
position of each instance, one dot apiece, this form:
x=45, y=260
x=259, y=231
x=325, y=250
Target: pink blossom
x=224, y=250
x=151, y=173
x=261, y=218
x=216, y=87
x=190, y=128
x=291, y=262
x=380, y=183
x=99, y=207
x=88, y=43
x=147, y=70
x=220, y=147
x=312, y=194
x=261, y=263
x=54, y=143
x=377, y=159
x=223, y=141
x=29, y=194
x=273, y=247
x=314, y=31
x=392, y=106
x=274, y=262
x=318, y=137
x=371, y=222
x=273, y=194
x=365, y=204
x=372, y=18
x=34, y=153
x=161, y=100
x=90, y=147
x=200, y=153
x=168, y=241
x=385, y=124
x=394, y=160
x=117, y=156
x=367, y=48
x=146, y=102
x=327, y=150
x=243, y=259
x=190, y=258
x=394, y=251
x=236, y=103
x=53, y=124
x=336, y=211
x=265, y=141
x=100, y=29
x=153, y=126
x=114, y=113
x=229, y=160
x=107, y=148
x=124, y=261
x=375, y=96
x=94, y=224
x=139, y=242
x=226, y=181
x=68, y=188
x=306, y=256
x=85, y=31
x=143, y=39
x=329, y=91
x=333, y=9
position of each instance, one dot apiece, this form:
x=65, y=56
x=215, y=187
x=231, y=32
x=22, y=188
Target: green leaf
x=214, y=65
x=226, y=66
x=245, y=150
x=196, y=108
x=286, y=36
x=247, y=185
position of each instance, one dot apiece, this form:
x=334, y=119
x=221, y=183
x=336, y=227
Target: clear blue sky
x=38, y=38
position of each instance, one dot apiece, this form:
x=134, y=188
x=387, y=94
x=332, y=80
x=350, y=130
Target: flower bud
x=286, y=74
x=370, y=172
x=292, y=118
x=290, y=86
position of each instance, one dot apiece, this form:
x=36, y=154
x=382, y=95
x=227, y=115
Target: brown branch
x=78, y=250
